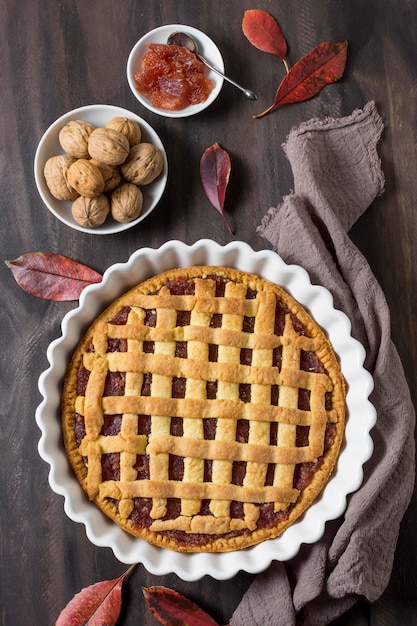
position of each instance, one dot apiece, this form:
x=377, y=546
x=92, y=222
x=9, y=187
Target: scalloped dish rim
x=356, y=450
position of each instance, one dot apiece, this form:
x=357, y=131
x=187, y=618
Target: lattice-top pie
x=204, y=410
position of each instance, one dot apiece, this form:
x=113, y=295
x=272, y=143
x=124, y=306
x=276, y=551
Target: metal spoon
x=185, y=40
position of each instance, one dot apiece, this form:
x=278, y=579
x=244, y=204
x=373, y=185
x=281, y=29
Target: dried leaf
x=215, y=170
x=52, y=276
x=173, y=609
x=325, y=64
x=264, y=32
x=95, y=605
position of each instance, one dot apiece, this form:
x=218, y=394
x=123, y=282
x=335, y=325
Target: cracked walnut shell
x=73, y=138
x=126, y=203
x=128, y=127
x=86, y=178
x=90, y=212
x=55, y=172
x=108, y=146
x=143, y=165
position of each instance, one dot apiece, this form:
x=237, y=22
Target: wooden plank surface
x=57, y=55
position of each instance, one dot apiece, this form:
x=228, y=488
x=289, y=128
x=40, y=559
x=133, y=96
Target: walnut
x=108, y=146
x=86, y=178
x=55, y=172
x=111, y=174
x=126, y=203
x=90, y=212
x=128, y=127
x=144, y=163
x=73, y=138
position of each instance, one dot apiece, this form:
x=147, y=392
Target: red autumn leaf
x=215, y=170
x=172, y=609
x=95, y=605
x=264, y=32
x=325, y=64
x=52, y=276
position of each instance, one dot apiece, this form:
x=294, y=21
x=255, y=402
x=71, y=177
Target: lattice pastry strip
x=260, y=432
x=196, y=389
x=129, y=429
x=160, y=424
x=288, y=398
x=187, y=407
x=226, y=428
x=93, y=421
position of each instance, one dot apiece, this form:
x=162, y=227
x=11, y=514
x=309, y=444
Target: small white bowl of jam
x=187, y=86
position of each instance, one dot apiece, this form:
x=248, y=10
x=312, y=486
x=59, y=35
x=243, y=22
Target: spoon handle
x=248, y=92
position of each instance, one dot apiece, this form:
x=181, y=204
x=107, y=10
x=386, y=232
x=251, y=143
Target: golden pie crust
x=204, y=410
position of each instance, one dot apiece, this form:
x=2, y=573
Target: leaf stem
x=129, y=570
x=228, y=226
x=256, y=117
x=287, y=69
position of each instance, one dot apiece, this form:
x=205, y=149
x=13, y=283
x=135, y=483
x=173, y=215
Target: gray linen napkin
x=337, y=175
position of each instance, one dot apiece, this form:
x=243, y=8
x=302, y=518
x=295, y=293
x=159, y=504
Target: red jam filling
x=172, y=77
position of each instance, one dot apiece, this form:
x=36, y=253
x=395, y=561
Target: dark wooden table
x=57, y=55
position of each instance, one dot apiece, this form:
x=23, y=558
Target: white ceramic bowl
x=207, y=48
x=97, y=115
x=357, y=449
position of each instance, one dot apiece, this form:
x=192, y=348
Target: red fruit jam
x=172, y=77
